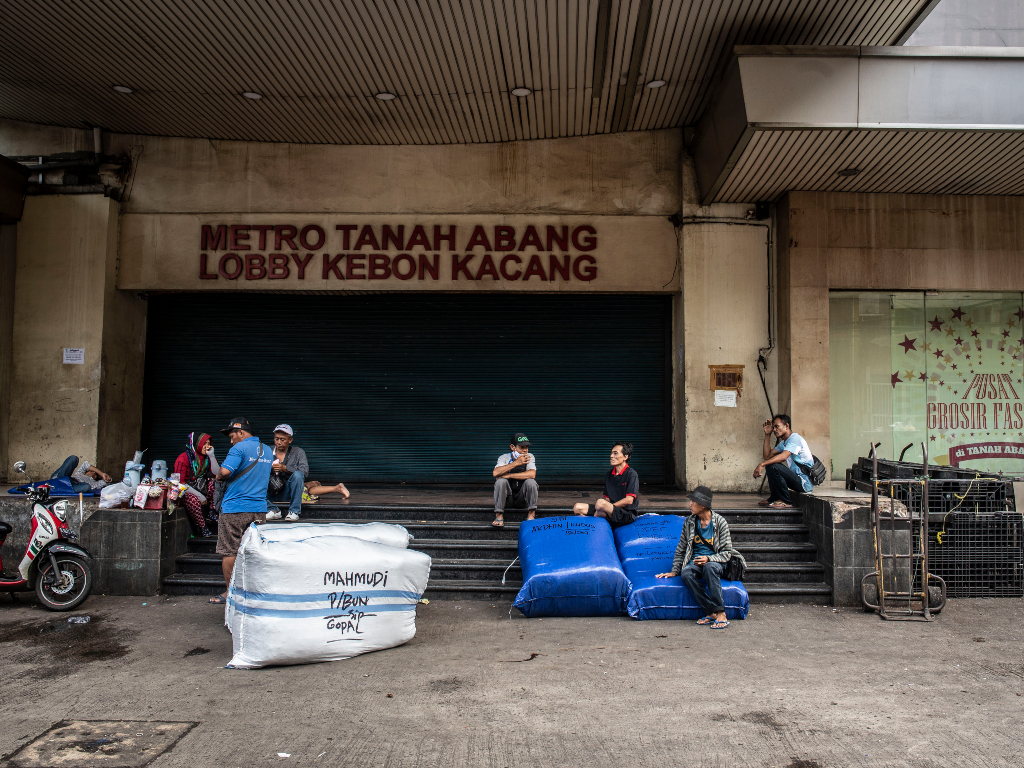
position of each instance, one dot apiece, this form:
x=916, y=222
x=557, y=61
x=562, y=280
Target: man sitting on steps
x=783, y=463
x=515, y=474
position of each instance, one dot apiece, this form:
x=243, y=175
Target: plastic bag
x=381, y=533
x=646, y=548
x=320, y=599
x=570, y=568
x=113, y=495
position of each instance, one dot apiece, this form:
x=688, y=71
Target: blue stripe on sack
x=317, y=612
x=268, y=597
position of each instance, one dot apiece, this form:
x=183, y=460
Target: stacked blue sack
x=646, y=548
x=570, y=568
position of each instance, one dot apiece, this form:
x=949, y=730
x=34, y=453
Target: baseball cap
x=519, y=439
x=237, y=424
x=286, y=428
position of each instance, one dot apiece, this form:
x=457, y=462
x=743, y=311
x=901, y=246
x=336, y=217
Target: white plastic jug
x=159, y=470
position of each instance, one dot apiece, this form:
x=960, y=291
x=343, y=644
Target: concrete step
x=484, y=570
x=392, y=513
x=483, y=530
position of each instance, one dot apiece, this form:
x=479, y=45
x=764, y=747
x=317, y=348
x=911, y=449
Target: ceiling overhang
x=916, y=120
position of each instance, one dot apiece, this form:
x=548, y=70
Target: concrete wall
x=64, y=297
x=996, y=23
x=8, y=257
x=725, y=308
x=848, y=241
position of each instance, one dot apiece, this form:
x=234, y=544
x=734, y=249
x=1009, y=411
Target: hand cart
x=901, y=588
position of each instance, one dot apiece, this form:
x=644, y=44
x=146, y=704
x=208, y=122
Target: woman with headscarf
x=193, y=467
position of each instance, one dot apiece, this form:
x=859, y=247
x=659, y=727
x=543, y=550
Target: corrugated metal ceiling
x=912, y=162
x=452, y=64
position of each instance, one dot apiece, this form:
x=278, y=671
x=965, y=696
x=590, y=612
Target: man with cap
x=621, y=498
x=704, y=548
x=291, y=468
x=514, y=474
x=245, y=472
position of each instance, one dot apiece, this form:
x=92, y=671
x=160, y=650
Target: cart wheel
x=935, y=598
x=869, y=595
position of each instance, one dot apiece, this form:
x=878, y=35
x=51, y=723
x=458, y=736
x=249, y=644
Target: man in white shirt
x=786, y=464
x=514, y=474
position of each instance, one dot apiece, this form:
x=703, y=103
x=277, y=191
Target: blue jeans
x=710, y=599
x=70, y=465
x=292, y=493
x=781, y=479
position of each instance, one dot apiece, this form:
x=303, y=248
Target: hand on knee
x=603, y=505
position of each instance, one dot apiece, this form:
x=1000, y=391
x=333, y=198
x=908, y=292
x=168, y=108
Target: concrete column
x=804, y=320
x=64, y=297
x=725, y=307
x=8, y=243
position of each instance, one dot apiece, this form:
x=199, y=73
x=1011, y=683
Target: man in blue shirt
x=783, y=462
x=246, y=472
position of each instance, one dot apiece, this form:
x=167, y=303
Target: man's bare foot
x=219, y=599
x=532, y=514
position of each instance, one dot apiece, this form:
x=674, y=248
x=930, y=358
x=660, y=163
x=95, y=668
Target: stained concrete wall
x=725, y=309
x=8, y=256
x=846, y=241
x=64, y=297
x=996, y=23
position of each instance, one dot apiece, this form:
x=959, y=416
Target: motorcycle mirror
x=19, y=466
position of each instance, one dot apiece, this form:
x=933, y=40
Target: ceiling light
x=655, y=83
x=253, y=95
x=848, y=172
x=122, y=89
x=385, y=96
x=521, y=91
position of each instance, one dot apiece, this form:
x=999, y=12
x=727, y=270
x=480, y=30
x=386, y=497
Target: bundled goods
x=381, y=533
x=298, y=599
x=570, y=568
x=646, y=548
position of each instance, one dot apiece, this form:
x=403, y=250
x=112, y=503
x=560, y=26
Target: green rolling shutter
x=423, y=388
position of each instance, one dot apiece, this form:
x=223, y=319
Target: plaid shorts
x=232, y=526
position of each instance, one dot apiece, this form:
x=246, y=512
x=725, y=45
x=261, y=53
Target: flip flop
x=498, y=523
x=218, y=600
x=705, y=621
x=764, y=503
x=781, y=505
x=720, y=625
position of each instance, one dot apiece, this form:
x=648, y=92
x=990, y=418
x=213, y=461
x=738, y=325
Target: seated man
x=621, y=490
x=515, y=474
x=704, y=547
x=782, y=463
x=84, y=479
x=291, y=467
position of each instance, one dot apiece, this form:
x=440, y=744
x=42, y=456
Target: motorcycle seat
x=5, y=528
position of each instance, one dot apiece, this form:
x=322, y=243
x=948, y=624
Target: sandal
x=706, y=620
x=498, y=522
x=720, y=624
x=764, y=503
x=218, y=600
x=781, y=505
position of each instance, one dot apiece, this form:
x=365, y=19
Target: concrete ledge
x=133, y=548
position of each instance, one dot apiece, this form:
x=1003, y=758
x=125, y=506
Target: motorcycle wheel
x=70, y=589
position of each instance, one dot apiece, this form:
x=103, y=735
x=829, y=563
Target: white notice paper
x=74, y=356
x=725, y=397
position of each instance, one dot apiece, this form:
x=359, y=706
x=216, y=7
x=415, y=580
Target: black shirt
x=618, y=487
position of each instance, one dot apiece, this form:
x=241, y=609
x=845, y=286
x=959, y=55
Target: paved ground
x=796, y=686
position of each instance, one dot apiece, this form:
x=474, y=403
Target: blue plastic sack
x=646, y=548
x=570, y=568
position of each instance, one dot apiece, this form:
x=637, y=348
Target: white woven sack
x=382, y=533
x=320, y=599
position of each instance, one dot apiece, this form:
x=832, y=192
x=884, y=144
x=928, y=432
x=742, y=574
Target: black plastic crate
x=979, y=554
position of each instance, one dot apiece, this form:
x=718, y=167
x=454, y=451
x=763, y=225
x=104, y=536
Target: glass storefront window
x=944, y=369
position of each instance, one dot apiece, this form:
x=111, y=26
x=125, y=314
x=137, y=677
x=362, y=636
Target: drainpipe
x=97, y=142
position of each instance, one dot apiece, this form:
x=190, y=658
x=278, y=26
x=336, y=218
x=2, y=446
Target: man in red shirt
x=621, y=490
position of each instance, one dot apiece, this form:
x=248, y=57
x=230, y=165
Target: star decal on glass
x=936, y=324
x=938, y=353
x=958, y=313
x=896, y=379
x=908, y=344
x=974, y=333
x=958, y=341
